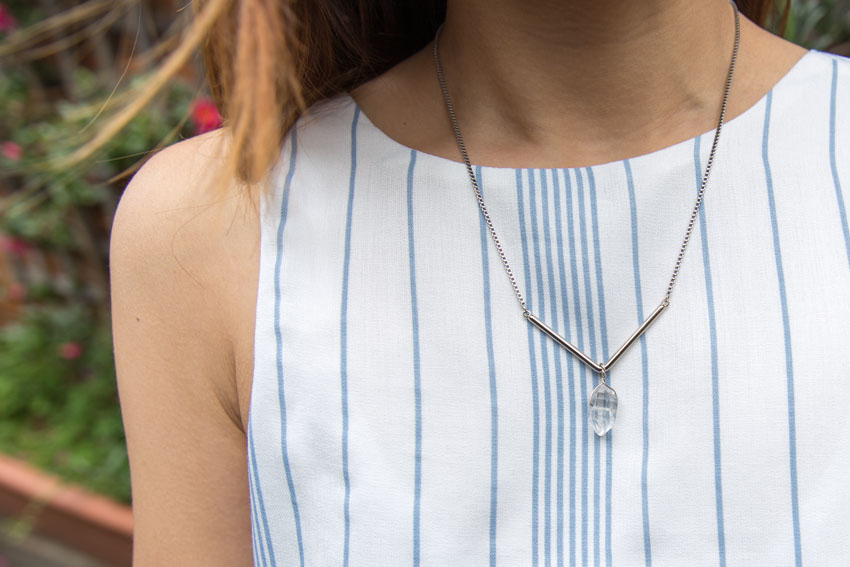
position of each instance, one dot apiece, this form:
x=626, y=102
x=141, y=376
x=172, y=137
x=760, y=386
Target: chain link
x=710, y=157
x=483, y=207
x=463, y=153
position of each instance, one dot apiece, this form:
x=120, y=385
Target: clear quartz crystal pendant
x=603, y=407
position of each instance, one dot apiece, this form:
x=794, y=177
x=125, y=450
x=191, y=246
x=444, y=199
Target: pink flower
x=70, y=350
x=14, y=245
x=8, y=23
x=16, y=292
x=11, y=150
x=205, y=116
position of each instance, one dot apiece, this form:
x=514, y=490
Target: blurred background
x=65, y=68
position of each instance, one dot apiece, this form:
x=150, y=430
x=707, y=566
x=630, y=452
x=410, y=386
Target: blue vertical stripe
x=715, y=373
x=417, y=379
x=582, y=367
x=491, y=365
x=647, y=549
x=603, y=332
x=255, y=524
x=544, y=357
x=588, y=296
x=535, y=463
x=593, y=354
x=557, y=352
x=255, y=543
x=279, y=343
x=570, y=379
x=789, y=367
x=263, y=534
x=344, y=337
x=832, y=162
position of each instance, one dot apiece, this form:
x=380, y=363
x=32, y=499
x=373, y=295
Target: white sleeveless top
x=403, y=411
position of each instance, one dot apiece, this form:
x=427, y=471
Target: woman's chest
x=396, y=379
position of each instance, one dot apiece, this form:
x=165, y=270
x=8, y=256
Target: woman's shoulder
x=321, y=132
x=163, y=196
x=174, y=209
x=820, y=74
x=837, y=60
x=191, y=250
x=810, y=107
x=837, y=68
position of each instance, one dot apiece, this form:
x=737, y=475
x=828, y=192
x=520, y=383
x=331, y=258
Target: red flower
x=11, y=150
x=8, y=23
x=70, y=350
x=16, y=292
x=205, y=116
x=14, y=245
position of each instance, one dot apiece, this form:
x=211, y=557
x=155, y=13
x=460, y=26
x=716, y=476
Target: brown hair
x=273, y=58
x=268, y=60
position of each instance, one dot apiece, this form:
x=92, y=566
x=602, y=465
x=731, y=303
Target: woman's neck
x=547, y=67
x=544, y=83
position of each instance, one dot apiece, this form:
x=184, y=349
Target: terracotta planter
x=93, y=524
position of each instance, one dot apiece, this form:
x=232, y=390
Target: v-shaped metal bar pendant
x=603, y=399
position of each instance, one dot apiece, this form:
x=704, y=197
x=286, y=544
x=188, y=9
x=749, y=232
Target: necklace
x=603, y=399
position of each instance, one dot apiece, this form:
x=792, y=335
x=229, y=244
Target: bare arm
x=175, y=364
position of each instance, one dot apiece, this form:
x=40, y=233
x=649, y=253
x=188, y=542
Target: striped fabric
x=404, y=413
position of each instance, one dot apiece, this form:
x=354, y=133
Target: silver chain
x=480, y=198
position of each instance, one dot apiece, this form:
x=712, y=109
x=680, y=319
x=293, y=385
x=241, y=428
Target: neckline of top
x=451, y=163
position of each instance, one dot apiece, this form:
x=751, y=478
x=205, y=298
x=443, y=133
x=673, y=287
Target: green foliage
x=818, y=24
x=60, y=412
x=56, y=129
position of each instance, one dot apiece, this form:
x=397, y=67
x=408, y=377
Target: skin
x=583, y=83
